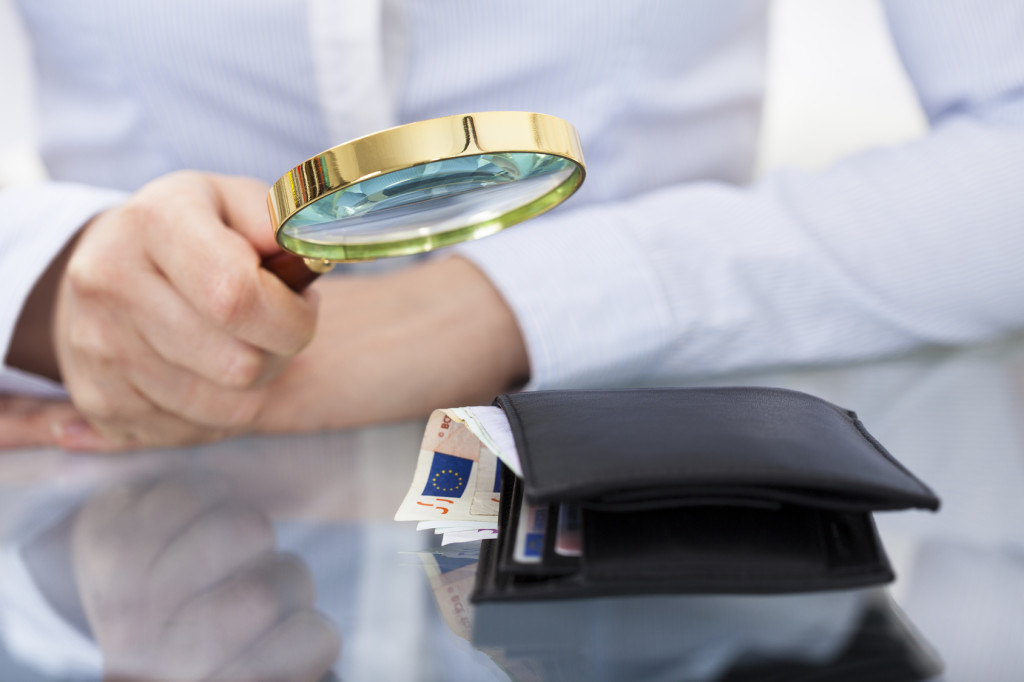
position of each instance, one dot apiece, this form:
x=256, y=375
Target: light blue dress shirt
x=669, y=263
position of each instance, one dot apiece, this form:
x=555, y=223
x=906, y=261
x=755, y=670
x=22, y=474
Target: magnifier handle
x=292, y=270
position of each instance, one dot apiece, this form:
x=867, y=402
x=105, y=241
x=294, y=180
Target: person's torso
x=661, y=91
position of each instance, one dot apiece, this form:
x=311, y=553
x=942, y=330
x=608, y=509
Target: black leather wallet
x=704, y=490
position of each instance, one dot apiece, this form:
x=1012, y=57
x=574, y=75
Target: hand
x=178, y=583
x=166, y=328
x=397, y=346
x=388, y=347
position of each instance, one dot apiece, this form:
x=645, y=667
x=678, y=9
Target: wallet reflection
x=178, y=581
x=840, y=636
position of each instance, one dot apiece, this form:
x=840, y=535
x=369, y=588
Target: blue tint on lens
x=429, y=198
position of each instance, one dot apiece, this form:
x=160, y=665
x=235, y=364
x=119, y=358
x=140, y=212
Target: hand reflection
x=180, y=583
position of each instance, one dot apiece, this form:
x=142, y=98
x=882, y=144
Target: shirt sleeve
x=886, y=251
x=38, y=220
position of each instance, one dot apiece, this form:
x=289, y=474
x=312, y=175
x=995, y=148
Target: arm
x=887, y=251
x=389, y=347
x=396, y=346
x=872, y=257
x=160, y=320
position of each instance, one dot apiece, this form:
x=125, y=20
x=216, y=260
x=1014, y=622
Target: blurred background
x=835, y=86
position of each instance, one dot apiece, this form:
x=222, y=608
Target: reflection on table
x=842, y=635
x=259, y=558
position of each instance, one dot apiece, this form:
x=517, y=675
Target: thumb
x=243, y=208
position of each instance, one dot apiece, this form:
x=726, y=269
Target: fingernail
x=69, y=428
x=77, y=434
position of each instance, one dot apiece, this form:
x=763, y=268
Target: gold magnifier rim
x=414, y=144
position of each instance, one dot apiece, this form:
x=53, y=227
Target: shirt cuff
x=39, y=219
x=612, y=335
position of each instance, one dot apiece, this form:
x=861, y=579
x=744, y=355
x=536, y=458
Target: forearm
x=886, y=252
x=396, y=346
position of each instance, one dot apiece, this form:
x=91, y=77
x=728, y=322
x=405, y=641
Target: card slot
x=508, y=519
x=713, y=550
x=508, y=526
x=553, y=562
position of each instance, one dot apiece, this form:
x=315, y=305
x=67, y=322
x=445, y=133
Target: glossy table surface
x=277, y=559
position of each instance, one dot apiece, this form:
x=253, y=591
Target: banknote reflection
x=178, y=581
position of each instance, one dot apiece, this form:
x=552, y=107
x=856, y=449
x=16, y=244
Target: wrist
x=31, y=349
x=490, y=320
x=396, y=346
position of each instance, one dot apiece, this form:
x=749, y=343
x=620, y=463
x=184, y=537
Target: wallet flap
x=641, y=448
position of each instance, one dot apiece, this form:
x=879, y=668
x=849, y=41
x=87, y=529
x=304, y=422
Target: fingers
x=177, y=537
x=211, y=353
x=227, y=286
x=120, y=416
x=220, y=624
x=300, y=649
x=27, y=422
x=174, y=577
x=157, y=397
x=243, y=204
x=218, y=270
x=194, y=401
x=167, y=329
x=31, y=422
x=123, y=531
x=215, y=545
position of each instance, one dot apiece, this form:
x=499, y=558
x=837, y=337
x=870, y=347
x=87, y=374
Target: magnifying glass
x=419, y=187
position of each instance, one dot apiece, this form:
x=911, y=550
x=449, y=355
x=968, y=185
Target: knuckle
x=256, y=593
x=243, y=368
x=93, y=404
x=250, y=527
x=184, y=176
x=78, y=273
x=88, y=338
x=89, y=277
x=231, y=298
x=138, y=213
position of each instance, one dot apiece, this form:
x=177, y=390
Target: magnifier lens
x=432, y=204
x=424, y=185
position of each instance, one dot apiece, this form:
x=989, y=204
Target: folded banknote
x=456, y=487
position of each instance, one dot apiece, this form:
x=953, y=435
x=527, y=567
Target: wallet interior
x=696, y=547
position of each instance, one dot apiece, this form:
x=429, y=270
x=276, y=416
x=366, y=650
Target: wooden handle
x=292, y=270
